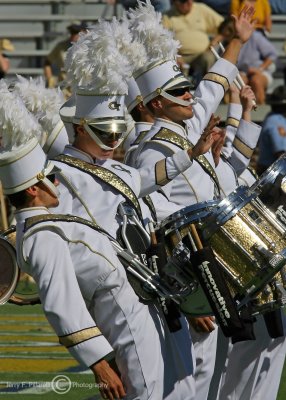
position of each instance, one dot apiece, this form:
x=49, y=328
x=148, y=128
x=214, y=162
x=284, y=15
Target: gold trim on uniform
x=139, y=138
x=105, y=175
x=214, y=77
x=242, y=148
x=161, y=175
x=232, y=122
x=76, y=338
x=169, y=136
x=36, y=219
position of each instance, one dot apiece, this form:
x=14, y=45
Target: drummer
x=61, y=256
x=179, y=120
x=98, y=127
x=263, y=358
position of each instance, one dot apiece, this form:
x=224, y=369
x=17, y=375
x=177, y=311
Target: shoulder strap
x=139, y=138
x=106, y=176
x=166, y=135
x=37, y=219
x=149, y=203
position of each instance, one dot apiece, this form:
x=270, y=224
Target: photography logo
x=61, y=384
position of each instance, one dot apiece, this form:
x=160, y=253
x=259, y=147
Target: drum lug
x=281, y=294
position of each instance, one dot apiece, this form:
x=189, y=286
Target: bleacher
x=34, y=26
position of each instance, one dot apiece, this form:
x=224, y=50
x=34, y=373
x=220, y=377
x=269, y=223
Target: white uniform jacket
x=80, y=280
x=163, y=207
x=194, y=185
x=84, y=195
x=241, y=139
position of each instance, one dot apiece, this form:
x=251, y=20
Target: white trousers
x=205, y=353
x=253, y=368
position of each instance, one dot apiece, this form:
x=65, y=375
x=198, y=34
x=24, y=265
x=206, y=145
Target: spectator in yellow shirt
x=262, y=13
x=193, y=24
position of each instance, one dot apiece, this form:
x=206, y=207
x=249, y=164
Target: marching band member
x=81, y=280
x=263, y=358
x=94, y=186
x=172, y=105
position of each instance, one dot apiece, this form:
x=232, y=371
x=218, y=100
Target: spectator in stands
x=220, y=6
x=256, y=61
x=159, y=5
x=192, y=24
x=262, y=13
x=272, y=143
x=54, y=63
x=5, y=46
x=278, y=6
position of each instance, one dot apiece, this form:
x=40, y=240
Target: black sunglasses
x=51, y=177
x=178, y=92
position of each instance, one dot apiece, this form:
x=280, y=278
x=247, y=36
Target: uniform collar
x=143, y=126
x=163, y=123
x=76, y=153
x=25, y=213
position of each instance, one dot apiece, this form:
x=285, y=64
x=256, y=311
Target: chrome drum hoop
x=9, y=275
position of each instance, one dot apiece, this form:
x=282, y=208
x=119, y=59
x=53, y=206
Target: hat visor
x=178, y=82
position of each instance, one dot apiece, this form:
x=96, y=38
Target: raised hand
x=246, y=97
x=218, y=138
x=206, y=140
x=244, y=24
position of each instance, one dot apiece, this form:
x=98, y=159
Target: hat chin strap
x=98, y=141
x=51, y=186
x=185, y=103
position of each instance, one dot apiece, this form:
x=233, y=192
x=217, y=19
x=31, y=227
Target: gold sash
x=106, y=176
x=139, y=138
x=35, y=220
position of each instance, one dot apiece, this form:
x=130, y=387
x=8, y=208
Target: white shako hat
x=44, y=103
x=98, y=74
x=67, y=114
x=134, y=96
x=161, y=72
x=23, y=162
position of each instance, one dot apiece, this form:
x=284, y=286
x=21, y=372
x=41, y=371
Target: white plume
x=135, y=51
x=17, y=124
x=42, y=102
x=146, y=27
x=95, y=63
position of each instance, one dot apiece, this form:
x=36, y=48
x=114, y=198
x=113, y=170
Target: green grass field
x=33, y=364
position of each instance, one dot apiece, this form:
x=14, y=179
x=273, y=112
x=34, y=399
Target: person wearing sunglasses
x=180, y=117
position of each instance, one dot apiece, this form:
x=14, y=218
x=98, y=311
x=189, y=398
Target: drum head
x=9, y=271
x=187, y=215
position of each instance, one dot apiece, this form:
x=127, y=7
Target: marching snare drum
x=250, y=245
x=176, y=230
x=15, y=286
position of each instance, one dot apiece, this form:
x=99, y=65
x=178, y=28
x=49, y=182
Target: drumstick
x=196, y=237
x=239, y=78
x=3, y=209
x=217, y=56
x=152, y=233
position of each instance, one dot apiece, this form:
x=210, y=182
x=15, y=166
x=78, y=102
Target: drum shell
x=233, y=244
x=25, y=289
